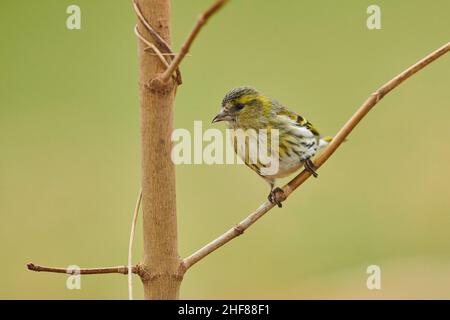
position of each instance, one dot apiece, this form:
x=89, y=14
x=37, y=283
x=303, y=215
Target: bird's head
x=243, y=107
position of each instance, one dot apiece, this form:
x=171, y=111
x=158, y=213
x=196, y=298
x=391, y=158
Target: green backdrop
x=70, y=152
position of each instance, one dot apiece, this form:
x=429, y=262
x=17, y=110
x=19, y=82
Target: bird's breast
x=274, y=157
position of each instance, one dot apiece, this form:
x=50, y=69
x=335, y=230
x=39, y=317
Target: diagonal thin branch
x=187, y=45
x=321, y=159
x=119, y=269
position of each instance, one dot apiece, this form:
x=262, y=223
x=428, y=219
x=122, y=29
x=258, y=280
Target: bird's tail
x=323, y=142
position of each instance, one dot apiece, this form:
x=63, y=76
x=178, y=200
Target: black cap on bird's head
x=237, y=93
x=232, y=103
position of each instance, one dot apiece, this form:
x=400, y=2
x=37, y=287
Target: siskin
x=298, y=141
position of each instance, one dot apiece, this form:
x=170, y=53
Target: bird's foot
x=309, y=166
x=277, y=196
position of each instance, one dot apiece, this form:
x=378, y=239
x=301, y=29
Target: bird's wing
x=298, y=119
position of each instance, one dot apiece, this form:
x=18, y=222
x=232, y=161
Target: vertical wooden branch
x=161, y=275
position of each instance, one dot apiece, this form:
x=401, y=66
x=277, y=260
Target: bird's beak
x=223, y=115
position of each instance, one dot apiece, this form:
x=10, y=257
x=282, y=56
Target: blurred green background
x=70, y=152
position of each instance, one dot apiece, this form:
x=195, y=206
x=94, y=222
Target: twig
x=159, y=40
x=321, y=159
x=151, y=46
x=119, y=269
x=187, y=45
x=130, y=245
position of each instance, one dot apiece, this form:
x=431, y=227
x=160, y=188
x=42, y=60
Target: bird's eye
x=239, y=106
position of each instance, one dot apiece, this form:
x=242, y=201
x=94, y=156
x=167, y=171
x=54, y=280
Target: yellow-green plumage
x=245, y=108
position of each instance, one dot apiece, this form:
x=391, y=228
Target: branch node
x=143, y=273
x=160, y=87
x=201, y=19
x=379, y=94
x=238, y=229
x=182, y=268
x=32, y=267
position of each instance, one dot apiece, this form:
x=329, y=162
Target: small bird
x=298, y=141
